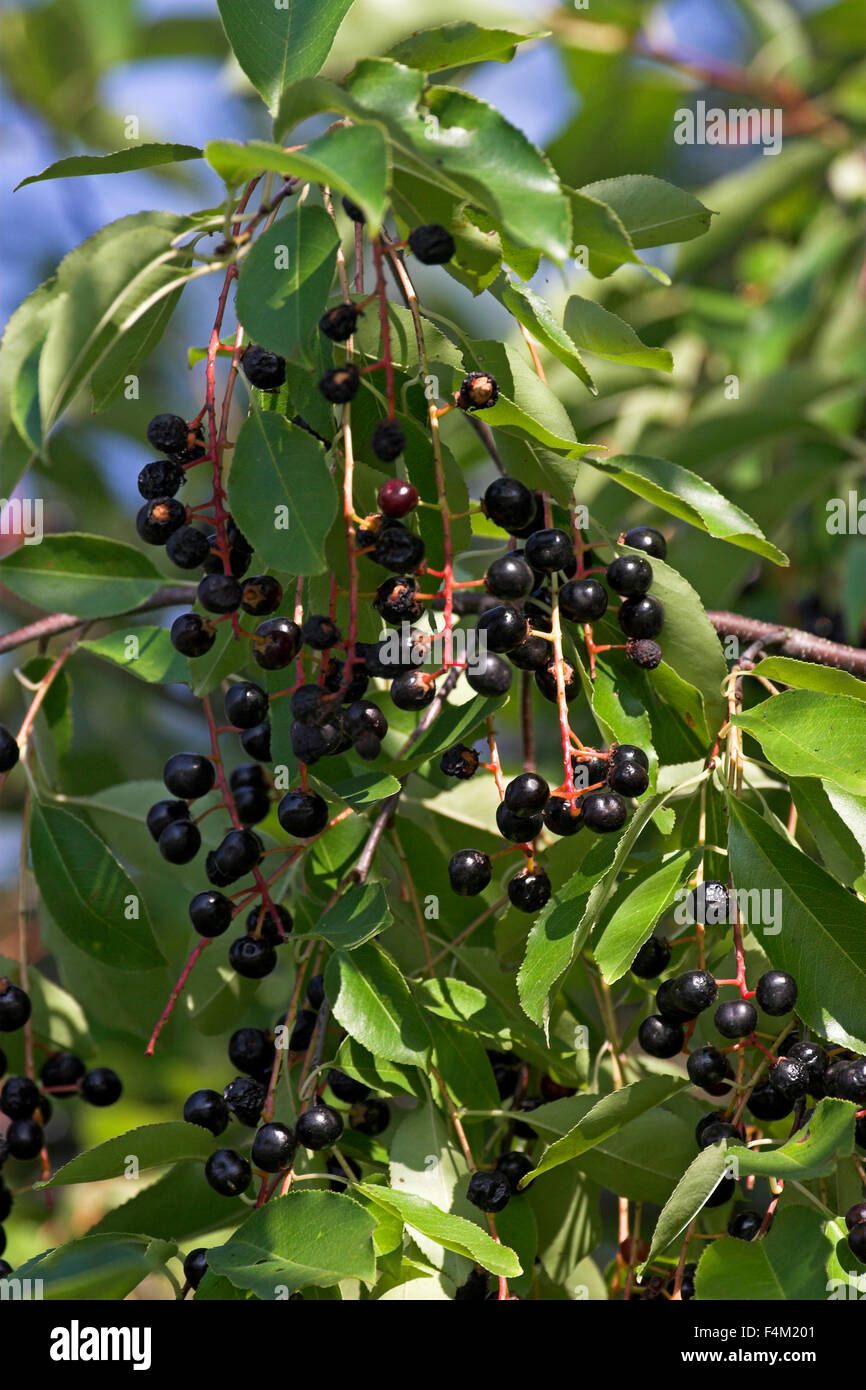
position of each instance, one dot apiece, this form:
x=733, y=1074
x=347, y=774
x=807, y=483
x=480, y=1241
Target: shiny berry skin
x=346, y=1087
x=219, y=593
x=583, y=600
x=210, y=913
x=708, y=904
x=162, y=478
x=718, y=1132
x=514, y=1166
x=276, y=643
x=431, y=244
x=646, y=539
x=246, y=704
x=228, y=1173
x=364, y=717
x=489, y=675
x=238, y=853
x=263, y=369
x=19, y=1097
x=319, y=1127
x=168, y=434
x=745, y=1225
x=370, y=1116
x=252, y=1052
x=274, y=1147
x=545, y=679
x=766, y=1103
x=529, y=890
x=159, y=518
x=460, y=762
x=189, y=775
x=257, y=742
x=261, y=594
x=857, y=1241
x=549, y=550
x=667, y=1004
x=101, y=1086
x=413, y=690
x=273, y=925
x=508, y=503
x=478, y=391
x=561, y=818
x=195, y=1266
x=526, y=794
x=645, y=653
x=14, y=1007
x=628, y=753
x=246, y=775
x=309, y=705
x=853, y=1081
x=320, y=632
x=531, y=655
x=590, y=771
x=251, y=803
x=856, y=1215
x=736, y=1018
x=180, y=842
x=642, y=616
x=629, y=779
x=340, y=322
x=651, y=959
x=695, y=991
x=814, y=1059
x=397, y=498
x=25, y=1139
x=789, y=1077
x=398, y=549
x=252, y=957
x=660, y=1037
x=629, y=574
x=388, y=441
x=162, y=813
x=509, y=577
x=302, y=813
x=245, y=1098
x=776, y=993
x=706, y=1066
x=603, y=812
x=469, y=872
x=519, y=829
x=208, y=1110
x=62, y=1069
x=192, y=635
x=489, y=1191
x=340, y=384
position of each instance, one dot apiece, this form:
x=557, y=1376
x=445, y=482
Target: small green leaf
x=455, y=44
x=697, y=1184
x=279, y=44
x=285, y=280
x=91, y=899
x=144, y=156
x=89, y=576
x=152, y=1146
x=360, y=914
x=807, y=675
x=95, y=1267
x=636, y=906
x=653, y=212
x=788, y=1263
x=371, y=1000
x=810, y=1153
x=150, y=657
x=810, y=734
x=366, y=790
x=451, y=1232
x=597, y=330
x=538, y=317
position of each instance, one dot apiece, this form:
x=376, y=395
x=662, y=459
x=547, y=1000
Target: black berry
x=562, y=817
x=19, y=1097
x=14, y=1007
x=766, y=1103
x=489, y=1191
x=397, y=498
x=789, y=1077
x=413, y=690
x=208, y=1110
x=776, y=993
x=745, y=1225
x=302, y=813
x=370, y=1116
x=629, y=779
x=660, y=1037
x=629, y=575
x=252, y=957
x=651, y=959
x=257, y=742
x=276, y=642
x=489, y=675
x=168, y=434
x=603, y=811
x=162, y=813
x=641, y=616
x=192, y=635
x=24, y=1139
x=319, y=1127
x=549, y=550
x=646, y=539
x=529, y=890
x=189, y=775
x=274, y=1148
x=346, y=1087
x=263, y=369
x=469, y=872
x=195, y=1266
x=695, y=991
x=460, y=762
x=246, y=704
x=478, y=391
x=583, y=600
x=644, y=653
x=245, y=1098
x=162, y=478
x=251, y=1051
x=509, y=577
x=180, y=842
x=519, y=829
x=736, y=1018
x=340, y=384
x=514, y=1166
x=508, y=503
x=707, y=1066
x=62, y=1069
x=210, y=913
x=708, y=904
x=388, y=441
x=432, y=244
x=101, y=1086
x=339, y=323
x=157, y=519
x=261, y=594
x=228, y=1173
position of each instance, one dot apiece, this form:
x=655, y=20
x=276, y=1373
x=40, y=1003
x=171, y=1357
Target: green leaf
x=95, y=1267
x=810, y=1153
x=353, y=160
x=452, y=45
x=279, y=44
x=526, y=405
x=653, y=212
x=366, y=790
x=88, y=894
x=90, y=576
x=152, y=1146
x=451, y=1232
x=116, y=292
x=822, y=942
x=696, y=1185
x=596, y=227
x=636, y=907
x=55, y=708
x=809, y=734
x=598, y=330
x=834, y=818
x=304, y=1238
x=281, y=493
x=807, y=675
x=177, y=1205
x=692, y=499
x=143, y=156
x=453, y=725
x=151, y=658
x=58, y=1018
x=285, y=280
x=788, y=1263
x=538, y=317
x=360, y=914
x=605, y=1116
x=20, y=420
x=371, y=1000
x=463, y=1065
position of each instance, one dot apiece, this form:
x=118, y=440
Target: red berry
x=397, y=498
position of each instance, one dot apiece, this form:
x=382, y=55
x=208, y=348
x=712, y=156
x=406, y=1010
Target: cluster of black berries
x=9, y=750
x=601, y=779
x=28, y=1105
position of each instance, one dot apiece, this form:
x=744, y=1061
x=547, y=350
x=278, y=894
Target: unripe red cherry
x=397, y=498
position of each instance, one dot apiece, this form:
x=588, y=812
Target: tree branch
x=64, y=622
x=791, y=641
